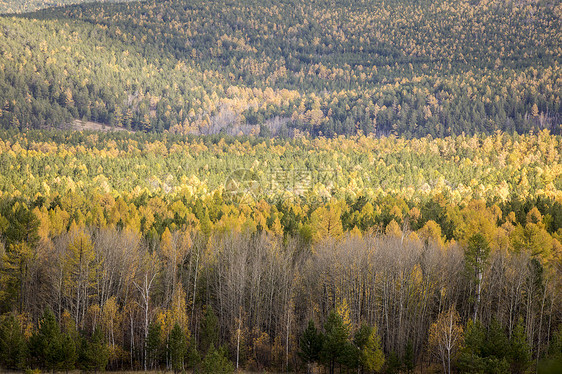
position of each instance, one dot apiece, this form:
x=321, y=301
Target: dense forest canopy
x=154, y=251
x=495, y=168
x=404, y=67
x=21, y=6
x=363, y=186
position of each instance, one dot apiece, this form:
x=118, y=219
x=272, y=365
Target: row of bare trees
x=264, y=289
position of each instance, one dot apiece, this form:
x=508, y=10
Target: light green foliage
x=95, y=353
x=216, y=362
x=371, y=355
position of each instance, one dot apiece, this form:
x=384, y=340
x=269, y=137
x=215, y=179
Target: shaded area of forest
x=400, y=67
x=22, y=6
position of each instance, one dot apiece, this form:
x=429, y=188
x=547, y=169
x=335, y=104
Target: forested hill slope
x=272, y=66
x=20, y=6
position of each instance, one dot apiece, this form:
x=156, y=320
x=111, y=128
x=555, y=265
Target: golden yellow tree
x=446, y=337
x=326, y=222
x=80, y=269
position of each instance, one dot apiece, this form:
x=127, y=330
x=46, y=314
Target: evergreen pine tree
x=46, y=342
x=372, y=356
x=68, y=352
x=177, y=348
x=95, y=354
x=393, y=364
x=20, y=235
x=216, y=362
x=470, y=359
x=496, y=343
x=335, y=341
x=154, y=345
x=209, y=330
x=13, y=347
x=476, y=257
x=193, y=355
x=520, y=351
x=409, y=358
x=310, y=345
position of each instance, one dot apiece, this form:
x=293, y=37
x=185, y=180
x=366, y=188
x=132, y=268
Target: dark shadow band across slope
x=273, y=67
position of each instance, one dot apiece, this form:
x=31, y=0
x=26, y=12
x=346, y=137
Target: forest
x=21, y=6
x=133, y=251
x=280, y=67
x=327, y=186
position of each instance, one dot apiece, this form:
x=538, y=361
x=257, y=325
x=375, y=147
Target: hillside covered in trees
x=132, y=251
x=329, y=185
x=269, y=67
x=21, y=6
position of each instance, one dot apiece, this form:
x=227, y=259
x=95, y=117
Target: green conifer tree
x=409, y=358
x=519, y=353
x=393, y=364
x=209, y=330
x=69, y=352
x=371, y=355
x=46, y=342
x=476, y=257
x=95, y=353
x=216, y=362
x=335, y=341
x=13, y=347
x=470, y=359
x=310, y=345
x=193, y=355
x=177, y=348
x=154, y=345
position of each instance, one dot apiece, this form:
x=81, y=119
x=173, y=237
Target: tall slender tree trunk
x=194, y=284
x=287, y=340
x=478, y=291
x=132, y=338
x=540, y=328
x=238, y=340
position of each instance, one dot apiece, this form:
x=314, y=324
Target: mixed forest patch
x=401, y=67
x=358, y=185
x=155, y=250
